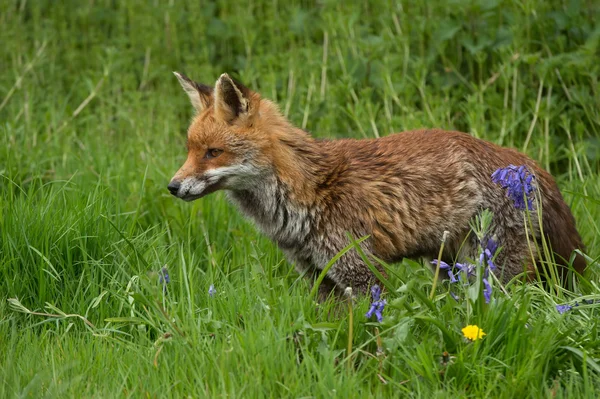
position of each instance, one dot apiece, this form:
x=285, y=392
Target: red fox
x=403, y=190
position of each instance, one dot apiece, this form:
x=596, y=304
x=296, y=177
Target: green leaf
x=324, y=326
x=579, y=354
x=373, y=269
x=449, y=338
x=133, y=320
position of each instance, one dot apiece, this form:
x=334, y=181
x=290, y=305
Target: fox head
x=227, y=144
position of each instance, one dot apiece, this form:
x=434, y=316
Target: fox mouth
x=189, y=197
x=197, y=191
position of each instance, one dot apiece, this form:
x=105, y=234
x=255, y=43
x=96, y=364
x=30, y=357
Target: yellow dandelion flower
x=473, y=332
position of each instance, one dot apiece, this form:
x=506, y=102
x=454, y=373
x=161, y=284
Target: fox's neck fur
x=271, y=207
x=284, y=201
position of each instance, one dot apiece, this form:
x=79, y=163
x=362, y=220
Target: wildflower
x=562, y=309
x=472, y=332
x=444, y=266
x=466, y=269
x=375, y=292
x=487, y=290
x=486, y=257
x=377, y=308
x=518, y=183
x=212, y=291
x=489, y=252
x=163, y=278
x=377, y=305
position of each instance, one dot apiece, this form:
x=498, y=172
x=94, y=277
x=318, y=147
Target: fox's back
x=408, y=187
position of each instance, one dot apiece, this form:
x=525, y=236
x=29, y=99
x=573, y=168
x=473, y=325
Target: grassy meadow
x=92, y=128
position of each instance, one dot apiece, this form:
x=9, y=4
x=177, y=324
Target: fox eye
x=212, y=153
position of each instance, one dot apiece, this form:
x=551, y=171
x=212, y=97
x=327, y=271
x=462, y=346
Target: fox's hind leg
x=517, y=245
x=511, y=241
x=327, y=287
x=348, y=271
x=515, y=258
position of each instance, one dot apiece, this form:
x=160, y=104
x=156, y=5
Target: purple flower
x=163, y=278
x=375, y=292
x=487, y=290
x=489, y=251
x=212, y=291
x=489, y=247
x=563, y=308
x=518, y=183
x=467, y=268
x=377, y=306
x=566, y=307
x=447, y=268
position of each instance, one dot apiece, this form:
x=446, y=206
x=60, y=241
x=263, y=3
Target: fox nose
x=174, y=186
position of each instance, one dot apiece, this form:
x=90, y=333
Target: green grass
x=92, y=126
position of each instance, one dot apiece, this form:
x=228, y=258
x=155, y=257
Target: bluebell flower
x=447, y=268
x=163, y=278
x=212, y=291
x=467, y=269
x=489, y=251
x=379, y=310
x=371, y=310
x=486, y=259
x=487, y=290
x=489, y=247
x=377, y=306
x=566, y=307
x=518, y=183
x=375, y=292
x=482, y=260
x=563, y=308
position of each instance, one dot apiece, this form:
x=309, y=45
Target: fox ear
x=232, y=99
x=200, y=95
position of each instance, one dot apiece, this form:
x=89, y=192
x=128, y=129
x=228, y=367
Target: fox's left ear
x=233, y=101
